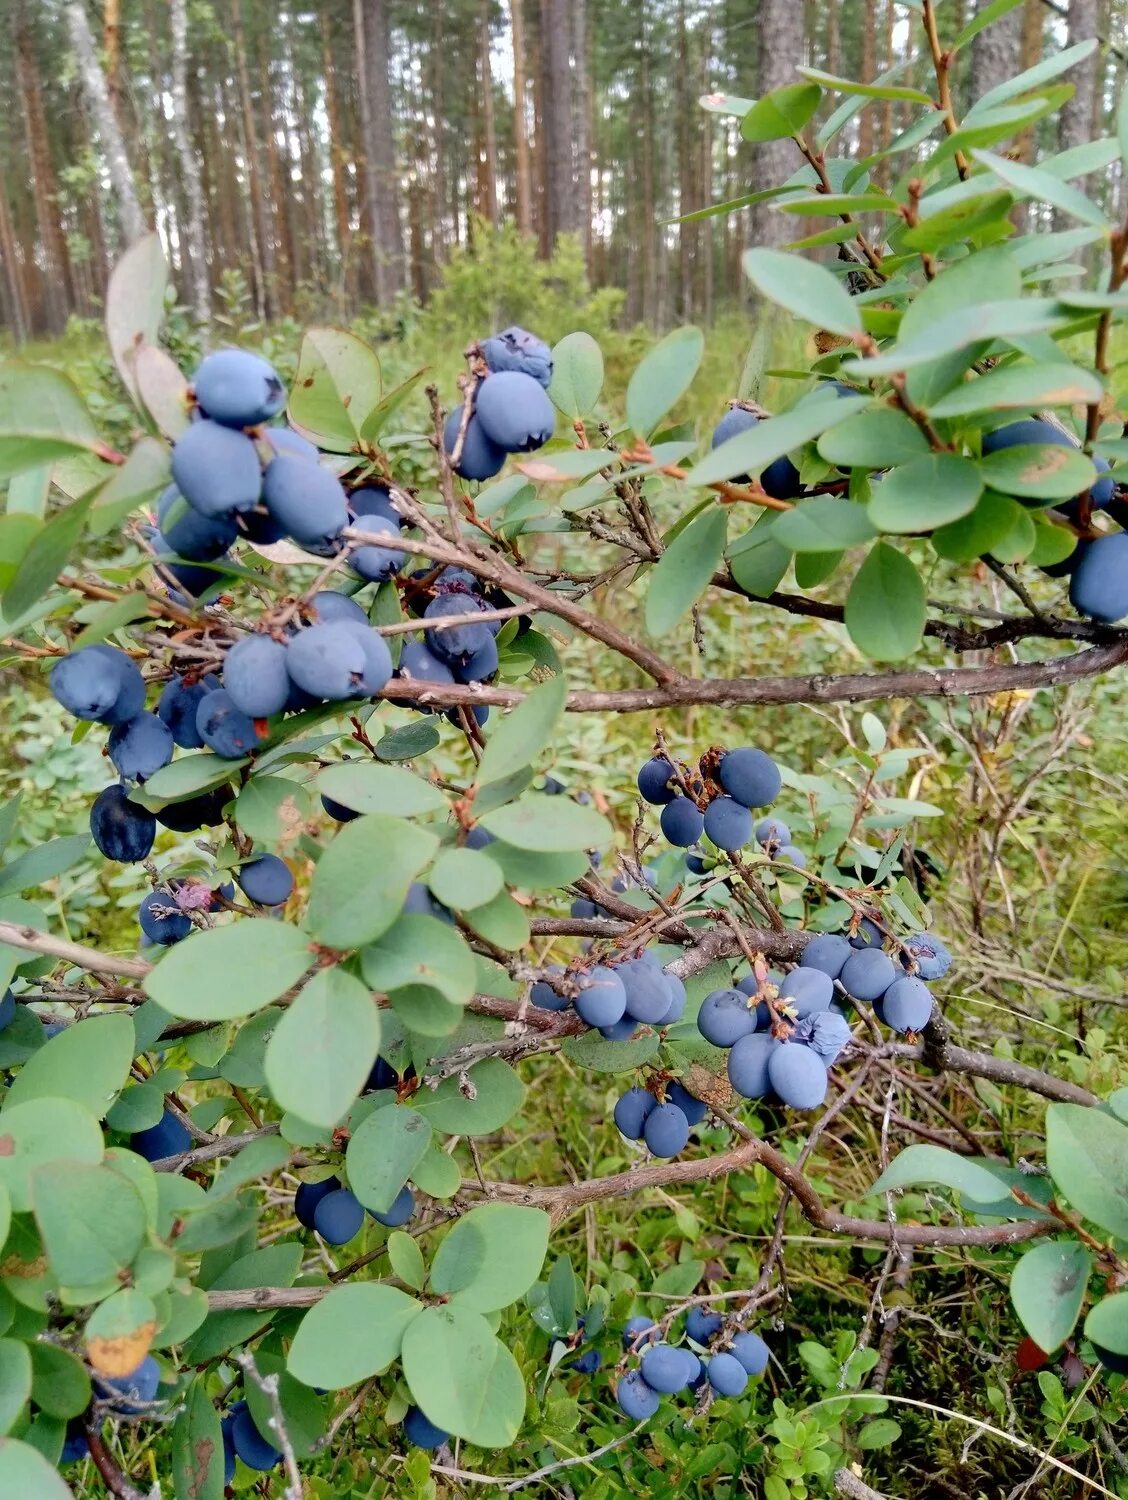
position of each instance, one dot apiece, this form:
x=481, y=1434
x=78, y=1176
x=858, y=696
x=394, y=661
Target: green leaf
x=1030, y=182
x=135, y=300
x=757, y=561
x=989, y=525
x=408, y=741
x=498, y=1094
x=875, y=439
x=271, y=809
x=383, y=1152
x=91, y=1220
x=421, y=953
x=599, y=1055
x=492, y=1256
x=1019, y=541
x=927, y=492
x=1039, y=471
x=136, y=482
x=190, y=774
x=961, y=330
x=362, y=879
x=351, y=1334
x=42, y=1131
x=577, y=375
x=15, y=1382
x=26, y=1475
x=5, y=1215
x=1021, y=387
x=1107, y=1324
x=1032, y=78
x=464, y=879
x=119, y=1332
x=272, y=1265
x=826, y=522
x=987, y=16
x=42, y=417
x=323, y=1048
x=958, y=286
x=437, y=1174
x=932, y=1164
x=751, y=452
x=663, y=377
x=258, y=1158
x=781, y=113
x=380, y=416
x=463, y=1378
x=60, y=1385
x=370, y=788
x=502, y=921
x=48, y=554
x=552, y=825
x=248, y=964
x=336, y=388
x=805, y=288
x=524, y=733
x=885, y=608
x=684, y=570
x=1122, y=127
x=162, y=388
x=1048, y=1287
x=406, y=1259
x=883, y=1432
x=88, y=1063
x=303, y=1411
x=197, y=1447
x=865, y=90
x=1087, y=1154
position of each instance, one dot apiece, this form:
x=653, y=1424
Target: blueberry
x=654, y=781
x=482, y=666
x=161, y=919
x=75, y=1445
x=868, y=935
x=544, y=997
x=602, y=999
x=255, y=676
x=99, y=683
x=140, y=747
x=781, y=480
x=931, y=957
x=422, y=1432
x=727, y=823
x=168, y=1137
x=189, y=534
x=460, y=642
x=789, y=855
x=481, y=457
x=867, y=974
x=401, y=1210
x=750, y=777
x=382, y=1076
x=692, y=1108
x=907, y=1005
x=478, y=838
x=374, y=500
x=631, y=1111
x=701, y=1325
x=735, y=421
x=306, y=499
x=638, y=1332
x=266, y=880
x=827, y=1032
x=420, y=664
x=666, y=1131
x=664, y=1368
x=223, y=728
x=636, y=1399
x=309, y=1195
x=725, y=1017
x=7, y=1009
x=678, y=1000
x=518, y=349
x=682, y=822
x=177, y=707
x=329, y=607
x=726, y=1375
x=514, y=411
x=138, y=1388
x=204, y=811
x=748, y=1064
x=373, y=563
x=807, y=990
x=827, y=952
x=647, y=994
x=588, y=1362
x=770, y=831
x=420, y=902
x=216, y=469
x=620, y=1031
x=1099, y=585
x=750, y=1349
x=238, y=388
x=338, y=1217
x=327, y=661
x=798, y=1075
x=229, y=1455
x=338, y=810
x=122, y=830
x=250, y=1445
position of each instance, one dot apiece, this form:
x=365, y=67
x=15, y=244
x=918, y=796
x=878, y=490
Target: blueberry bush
x=330, y=652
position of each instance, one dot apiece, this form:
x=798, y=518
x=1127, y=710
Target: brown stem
x=114, y=1480
x=941, y=62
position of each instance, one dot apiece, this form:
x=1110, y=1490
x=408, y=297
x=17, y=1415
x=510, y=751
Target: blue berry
x=727, y=823
x=481, y=457
x=238, y=388
x=647, y=994
x=338, y=1217
x=868, y=935
x=401, y=1210
x=122, y=830
x=631, y=1112
x=770, y=831
x=7, y=1009
x=797, y=1075
x=750, y=1349
x=140, y=747
x=514, y=411
x=664, y=1368
x=602, y=999
x=255, y=676
x=266, y=880
x=907, y=1005
x=726, y=1375
x=678, y=999
x=224, y=728
x=751, y=777
x=98, y=683
x=177, y=707
x=638, y=1332
x=309, y=1195
x=636, y=1399
x=701, y=1325
x=807, y=991
x=827, y=952
x=518, y=349
x=654, y=781
x=867, y=974
x=692, y=1108
x=250, y=1444
x=161, y=920
x=748, y=1065
x=327, y=661
x=1098, y=587
x=305, y=499
x=544, y=997
x=421, y=1431
x=666, y=1130
x=217, y=469
x=928, y=953
x=138, y=1388
x=682, y=822
x=168, y=1137
x=725, y=1017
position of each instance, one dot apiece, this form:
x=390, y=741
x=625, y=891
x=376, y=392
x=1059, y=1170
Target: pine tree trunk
x=581, y=115
x=560, y=178
x=199, y=290
x=488, y=202
x=337, y=158
x=869, y=72
x=56, y=278
x=438, y=141
x=16, y=313
x=262, y=248
x=542, y=215
x=994, y=50
x=277, y=190
x=98, y=102
x=1076, y=117
x=373, y=49
x=687, y=233
x=524, y=183
x=781, y=52
x=830, y=8
x=646, y=228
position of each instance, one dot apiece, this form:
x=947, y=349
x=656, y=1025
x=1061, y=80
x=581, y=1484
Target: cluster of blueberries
x=129, y=1395
x=715, y=798
x=663, y=1123
x=725, y=1364
x=783, y=1032
x=336, y=1214
x=510, y=412
x=614, y=998
x=773, y=837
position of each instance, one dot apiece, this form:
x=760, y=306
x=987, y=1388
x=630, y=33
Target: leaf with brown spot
x=121, y=1356
x=120, y=1331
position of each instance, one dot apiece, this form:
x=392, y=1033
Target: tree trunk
x=994, y=50
x=646, y=133
x=687, y=233
x=781, y=52
x=541, y=213
x=262, y=249
x=561, y=207
x=277, y=190
x=15, y=293
x=337, y=156
x=869, y=72
x=1076, y=118
x=199, y=290
x=373, y=53
x=830, y=7
x=111, y=46
x=524, y=182
x=98, y=102
x=56, y=277
x=581, y=111
x=488, y=202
